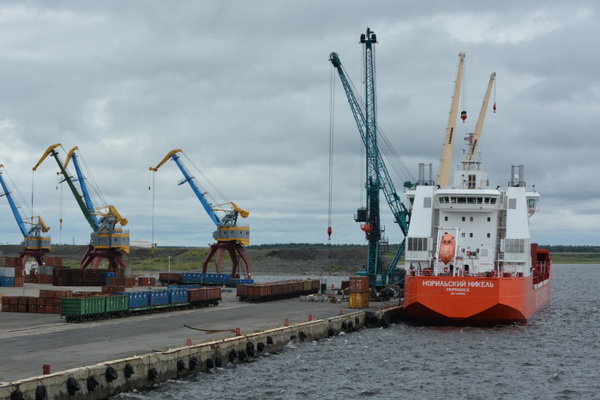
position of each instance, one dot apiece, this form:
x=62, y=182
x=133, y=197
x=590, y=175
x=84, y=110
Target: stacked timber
x=359, y=292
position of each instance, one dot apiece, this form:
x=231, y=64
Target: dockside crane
x=229, y=236
x=34, y=244
x=107, y=241
x=377, y=175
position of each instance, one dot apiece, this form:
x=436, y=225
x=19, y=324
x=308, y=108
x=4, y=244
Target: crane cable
x=151, y=178
x=494, y=107
x=331, y=142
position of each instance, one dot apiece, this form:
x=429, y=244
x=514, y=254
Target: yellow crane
x=229, y=236
x=474, y=138
x=443, y=177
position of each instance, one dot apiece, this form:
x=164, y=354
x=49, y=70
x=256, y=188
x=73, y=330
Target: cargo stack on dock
x=11, y=272
x=359, y=292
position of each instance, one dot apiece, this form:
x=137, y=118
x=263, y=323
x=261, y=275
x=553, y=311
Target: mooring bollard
x=341, y=311
x=188, y=342
x=310, y=317
x=286, y=322
x=238, y=332
x=46, y=369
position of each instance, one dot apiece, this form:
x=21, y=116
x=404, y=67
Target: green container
x=78, y=307
x=117, y=303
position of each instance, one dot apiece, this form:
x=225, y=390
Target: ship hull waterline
x=470, y=301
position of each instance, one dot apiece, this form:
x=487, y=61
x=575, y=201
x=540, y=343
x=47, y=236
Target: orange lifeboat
x=447, y=248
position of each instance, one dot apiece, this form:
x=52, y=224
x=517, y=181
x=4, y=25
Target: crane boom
x=13, y=206
x=479, y=126
x=89, y=216
x=378, y=176
x=71, y=155
x=34, y=244
x=190, y=180
x=443, y=177
x=106, y=240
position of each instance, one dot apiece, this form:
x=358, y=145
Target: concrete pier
x=102, y=380
x=96, y=360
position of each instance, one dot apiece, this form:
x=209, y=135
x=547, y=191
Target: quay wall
x=142, y=372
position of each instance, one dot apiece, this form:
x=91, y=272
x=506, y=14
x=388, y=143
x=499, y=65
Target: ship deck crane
x=377, y=177
x=107, y=241
x=443, y=177
x=474, y=138
x=34, y=244
x=229, y=236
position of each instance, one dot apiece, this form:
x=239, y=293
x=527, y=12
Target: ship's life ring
x=447, y=248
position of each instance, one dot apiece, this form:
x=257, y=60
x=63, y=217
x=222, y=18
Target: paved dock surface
x=30, y=340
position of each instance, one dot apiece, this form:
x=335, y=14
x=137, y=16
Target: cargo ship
x=469, y=257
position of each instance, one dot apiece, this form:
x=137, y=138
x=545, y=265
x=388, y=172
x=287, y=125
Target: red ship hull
x=449, y=300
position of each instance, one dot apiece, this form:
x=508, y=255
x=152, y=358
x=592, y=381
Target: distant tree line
x=296, y=245
x=571, y=249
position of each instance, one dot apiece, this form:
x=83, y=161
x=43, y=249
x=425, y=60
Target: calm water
x=555, y=356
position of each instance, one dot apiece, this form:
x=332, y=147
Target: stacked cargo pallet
x=45, y=273
x=48, y=302
x=146, y=281
x=359, y=292
x=11, y=272
x=120, y=281
x=87, y=277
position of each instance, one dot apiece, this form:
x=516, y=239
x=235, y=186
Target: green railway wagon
x=117, y=304
x=82, y=307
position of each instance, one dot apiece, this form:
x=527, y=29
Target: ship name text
x=458, y=284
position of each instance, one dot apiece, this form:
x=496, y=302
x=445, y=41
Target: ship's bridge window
x=453, y=200
x=462, y=200
x=531, y=203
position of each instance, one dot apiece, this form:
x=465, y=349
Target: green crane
x=377, y=175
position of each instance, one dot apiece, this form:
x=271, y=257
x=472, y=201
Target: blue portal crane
x=107, y=241
x=377, y=175
x=34, y=244
x=229, y=236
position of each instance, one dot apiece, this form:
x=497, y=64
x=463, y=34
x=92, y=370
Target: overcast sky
x=243, y=87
